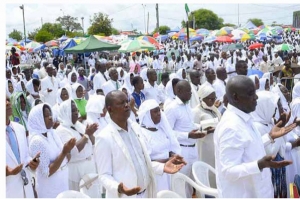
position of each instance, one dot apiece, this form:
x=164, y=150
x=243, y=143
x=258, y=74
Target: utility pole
x=144, y=17
x=42, y=21
x=238, y=15
x=82, y=25
x=148, y=24
x=193, y=20
x=157, y=18
x=22, y=8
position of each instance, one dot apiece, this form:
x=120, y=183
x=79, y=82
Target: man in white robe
x=220, y=85
x=49, y=86
x=100, y=77
x=113, y=83
x=151, y=89
x=195, y=84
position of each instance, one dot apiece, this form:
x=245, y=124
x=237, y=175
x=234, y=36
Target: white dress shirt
x=238, y=147
x=152, y=92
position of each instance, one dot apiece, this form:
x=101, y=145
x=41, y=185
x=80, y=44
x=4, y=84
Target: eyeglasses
x=24, y=177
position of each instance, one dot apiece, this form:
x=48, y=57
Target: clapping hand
x=91, y=129
x=129, y=192
x=284, y=117
x=69, y=146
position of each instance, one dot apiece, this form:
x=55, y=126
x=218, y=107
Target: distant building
x=296, y=19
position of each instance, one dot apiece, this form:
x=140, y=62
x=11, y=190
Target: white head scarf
x=296, y=91
x=169, y=89
x=146, y=120
x=19, y=86
x=172, y=76
x=70, y=75
x=144, y=74
x=295, y=108
x=265, y=108
x=284, y=103
x=119, y=69
x=252, y=77
x=127, y=83
x=30, y=88
x=262, y=84
x=8, y=94
x=58, y=96
x=65, y=116
x=74, y=88
x=36, y=122
x=94, y=108
x=268, y=76
x=179, y=73
x=205, y=91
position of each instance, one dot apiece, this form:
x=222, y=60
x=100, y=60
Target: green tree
x=43, y=36
x=15, y=34
x=206, y=19
x=100, y=24
x=55, y=29
x=32, y=34
x=75, y=34
x=256, y=21
x=229, y=25
x=115, y=31
x=69, y=23
x=183, y=24
x=162, y=30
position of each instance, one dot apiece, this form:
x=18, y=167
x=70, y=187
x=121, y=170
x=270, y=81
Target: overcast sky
x=128, y=16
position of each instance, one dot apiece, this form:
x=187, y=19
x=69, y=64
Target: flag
x=186, y=8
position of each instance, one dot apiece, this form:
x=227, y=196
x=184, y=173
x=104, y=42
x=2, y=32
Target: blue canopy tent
x=22, y=43
x=63, y=38
x=176, y=29
x=41, y=47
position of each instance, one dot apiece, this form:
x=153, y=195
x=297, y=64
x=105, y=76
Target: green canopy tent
x=92, y=44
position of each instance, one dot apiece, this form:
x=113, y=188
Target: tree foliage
x=206, y=19
x=183, y=24
x=15, y=34
x=162, y=30
x=31, y=35
x=55, y=29
x=256, y=21
x=229, y=25
x=69, y=23
x=115, y=31
x=43, y=36
x=100, y=23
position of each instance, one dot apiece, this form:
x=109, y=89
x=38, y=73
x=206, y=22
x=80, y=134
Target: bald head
x=221, y=73
x=116, y=103
x=183, y=90
x=195, y=77
x=240, y=91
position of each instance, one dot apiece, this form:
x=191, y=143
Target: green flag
x=186, y=8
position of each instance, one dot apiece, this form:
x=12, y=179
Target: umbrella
x=32, y=44
x=135, y=45
x=231, y=47
x=185, y=30
x=149, y=39
x=255, y=45
x=284, y=47
x=202, y=31
x=224, y=39
x=51, y=43
x=255, y=72
x=209, y=39
x=197, y=38
x=227, y=29
x=222, y=32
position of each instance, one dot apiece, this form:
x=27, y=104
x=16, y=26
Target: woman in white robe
x=96, y=112
x=181, y=74
x=121, y=75
x=204, y=111
x=159, y=138
x=82, y=161
x=127, y=83
x=34, y=91
x=62, y=95
x=9, y=88
x=264, y=84
x=170, y=91
x=52, y=172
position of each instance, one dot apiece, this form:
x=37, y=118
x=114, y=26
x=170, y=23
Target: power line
x=122, y=9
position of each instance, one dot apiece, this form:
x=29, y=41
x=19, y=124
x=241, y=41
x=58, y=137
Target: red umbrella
x=255, y=45
x=224, y=39
x=51, y=43
x=156, y=34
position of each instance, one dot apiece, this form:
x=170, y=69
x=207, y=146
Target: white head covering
x=36, y=122
x=65, y=116
x=179, y=73
x=70, y=75
x=205, y=91
x=172, y=76
x=30, y=88
x=144, y=74
x=127, y=83
x=8, y=94
x=146, y=120
x=94, y=108
x=296, y=91
x=267, y=75
x=74, y=88
x=265, y=108
x=58, y=96
x=169, y=89
x=295, y=108
x=119, y=69
x=284, y=103
x=252, y=77
x=19, y=86
x=262, y=84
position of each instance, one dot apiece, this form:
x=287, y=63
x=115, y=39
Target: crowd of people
x=138, y=118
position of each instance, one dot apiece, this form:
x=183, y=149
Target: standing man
x=113, y=83
x=49, y=86
x=100, y=77
x=123, y=163
x=14, y=57
x=18, y=161
x=241, y=67
x=151, y=89
x=195, y=84
x=180, y=117
x=242, y=167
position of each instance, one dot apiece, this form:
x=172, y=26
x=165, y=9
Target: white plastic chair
x=71, y=194
x=200, y=172
x=178, y=181
x=90, y=185
x=167, y=194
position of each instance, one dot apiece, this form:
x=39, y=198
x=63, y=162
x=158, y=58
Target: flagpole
x=187, y=10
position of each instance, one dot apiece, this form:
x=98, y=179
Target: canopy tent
x=92, y=44
x=176, y=29
x=249, y=25
x=63, y=38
